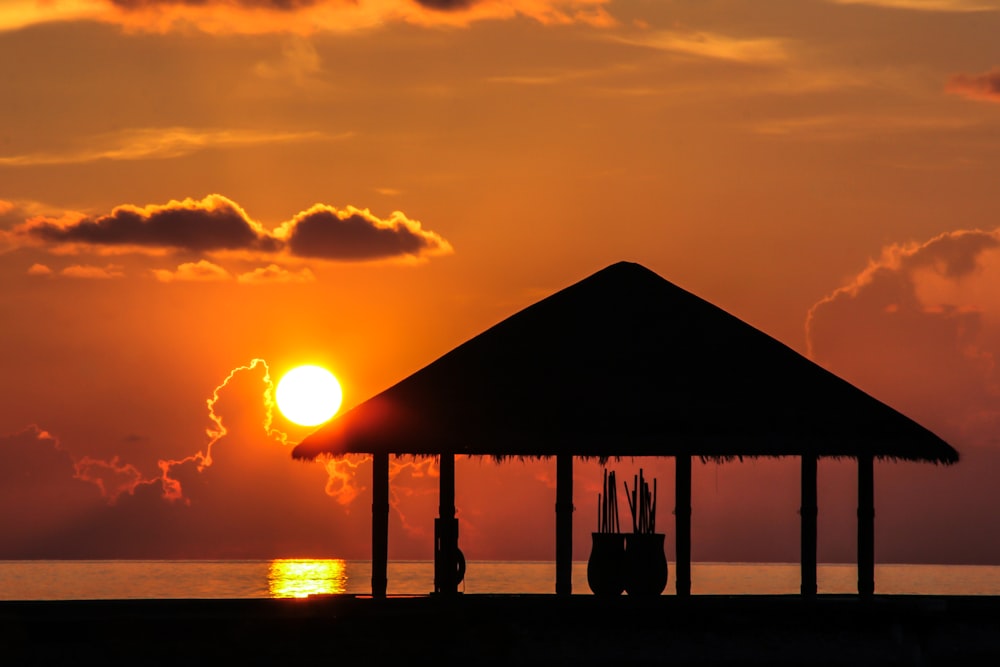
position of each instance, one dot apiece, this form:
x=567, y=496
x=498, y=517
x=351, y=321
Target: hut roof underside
x=624, y=364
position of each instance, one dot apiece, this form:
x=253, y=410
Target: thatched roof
x=624, y=363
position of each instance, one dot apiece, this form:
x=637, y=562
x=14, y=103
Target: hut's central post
x=449, y=565
x=564, y=524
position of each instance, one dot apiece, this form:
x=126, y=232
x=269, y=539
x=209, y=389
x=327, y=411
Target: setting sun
x=308, y=395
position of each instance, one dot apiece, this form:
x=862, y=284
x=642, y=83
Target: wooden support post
x=866, y=526
x=564, y=524
x=446, y=531
x=380, y=524
x=682, y=523
x=808, y=511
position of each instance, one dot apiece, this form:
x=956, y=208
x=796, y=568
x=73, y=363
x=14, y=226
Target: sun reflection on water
x=298, y=578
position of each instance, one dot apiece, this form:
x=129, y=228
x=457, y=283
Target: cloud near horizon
x=238, y=495
x=232, y=497
x=301, y=16
x=217, y=225
x=919, y=328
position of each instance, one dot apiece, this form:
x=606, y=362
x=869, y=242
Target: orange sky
x=187, y=187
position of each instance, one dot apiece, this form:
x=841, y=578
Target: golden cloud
x=200, y=271
x=299, y=16
x=16, y=14
x=39, y=270
x=91, y=272
x=274, y=274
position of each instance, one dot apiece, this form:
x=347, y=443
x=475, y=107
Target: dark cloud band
x=216, y=223
x=212, y=224
x=985, y=86
x=353, y=235
x=446, y=5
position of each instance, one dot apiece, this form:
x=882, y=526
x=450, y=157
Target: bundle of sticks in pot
x=607, y=505
x=642, y=504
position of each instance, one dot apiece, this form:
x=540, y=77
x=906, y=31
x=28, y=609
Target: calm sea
x=160, y=579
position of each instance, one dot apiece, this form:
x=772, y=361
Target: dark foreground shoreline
x=507, y=629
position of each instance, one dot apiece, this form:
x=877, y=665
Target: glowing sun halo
x=308, y=395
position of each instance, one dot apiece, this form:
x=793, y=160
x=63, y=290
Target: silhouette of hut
x=624, y=363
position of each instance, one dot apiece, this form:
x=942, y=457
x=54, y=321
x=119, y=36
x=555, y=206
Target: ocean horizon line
x=300, y=577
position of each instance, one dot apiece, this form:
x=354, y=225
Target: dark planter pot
x=606, y=566
x=645, y=564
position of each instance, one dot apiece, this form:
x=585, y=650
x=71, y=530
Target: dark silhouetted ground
x=501, y=630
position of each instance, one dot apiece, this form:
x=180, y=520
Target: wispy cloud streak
x=161, y=143
x=928, y=5
x=714, y=46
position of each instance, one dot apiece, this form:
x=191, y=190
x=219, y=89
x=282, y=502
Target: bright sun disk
x=308, y=395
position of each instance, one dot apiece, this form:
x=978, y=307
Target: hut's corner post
x=809, y=512
x=564, y=524
x=682, y=523
x=380, y=524
x=866, y=526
